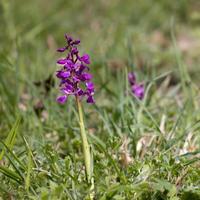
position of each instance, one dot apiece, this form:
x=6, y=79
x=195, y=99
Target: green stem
x=86, y=149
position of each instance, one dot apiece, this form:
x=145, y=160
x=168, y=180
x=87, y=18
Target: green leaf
x=10, y=140
x=11, y=174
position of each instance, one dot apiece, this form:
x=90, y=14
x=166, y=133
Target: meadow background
x=142, y=150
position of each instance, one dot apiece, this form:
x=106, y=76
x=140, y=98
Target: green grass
x=40, y=146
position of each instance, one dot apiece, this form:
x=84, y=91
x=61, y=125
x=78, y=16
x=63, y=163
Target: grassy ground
x=142, y=149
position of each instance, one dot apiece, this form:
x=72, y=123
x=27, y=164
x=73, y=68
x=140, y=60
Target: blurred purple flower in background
x=74, y=77
x=137, y=89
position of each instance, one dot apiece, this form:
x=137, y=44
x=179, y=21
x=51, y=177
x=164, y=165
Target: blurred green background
x=157, y=39
x=117, y=34
x=149, y=37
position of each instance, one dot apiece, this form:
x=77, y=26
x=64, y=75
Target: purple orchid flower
x=74, y=77
x=137, y=89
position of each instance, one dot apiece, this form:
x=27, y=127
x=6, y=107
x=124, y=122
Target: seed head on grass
x=136, y=88
x=74, y=77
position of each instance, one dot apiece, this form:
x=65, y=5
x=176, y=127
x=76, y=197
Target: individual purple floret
x=74, y=77
x=131, y=78
x=137, y=89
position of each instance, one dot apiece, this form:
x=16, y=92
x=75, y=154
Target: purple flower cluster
x=74, y=77
x=137, y=89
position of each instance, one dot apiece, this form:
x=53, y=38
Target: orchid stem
x=86, y=150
